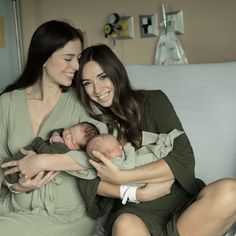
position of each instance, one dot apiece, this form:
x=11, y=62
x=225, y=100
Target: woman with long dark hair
x=187, y=207
x=42, y=99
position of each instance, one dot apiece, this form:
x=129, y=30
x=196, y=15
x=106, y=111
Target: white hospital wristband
x=10, y=187
x=128, y=193
x=123, y=189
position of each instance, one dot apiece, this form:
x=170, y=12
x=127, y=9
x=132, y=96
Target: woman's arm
x=108, y=190
x=92, y=190
x=26, y=185
x=149, y=192
x=33, y=163
x=157, y=171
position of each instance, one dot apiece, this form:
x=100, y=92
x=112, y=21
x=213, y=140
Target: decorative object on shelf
x=169, y=50
x=118, y=27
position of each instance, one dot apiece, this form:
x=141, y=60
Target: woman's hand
x=28, y=166
x=37, y=182
x=106, y=170
x=152, y=191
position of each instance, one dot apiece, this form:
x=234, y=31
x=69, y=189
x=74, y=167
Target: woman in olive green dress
x=188, y=208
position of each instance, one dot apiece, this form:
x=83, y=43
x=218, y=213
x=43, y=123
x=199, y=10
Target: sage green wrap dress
x=57, y=208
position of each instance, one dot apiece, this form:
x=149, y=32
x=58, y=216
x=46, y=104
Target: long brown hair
x=124, y=114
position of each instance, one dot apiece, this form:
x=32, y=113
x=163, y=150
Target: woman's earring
x=44, y=65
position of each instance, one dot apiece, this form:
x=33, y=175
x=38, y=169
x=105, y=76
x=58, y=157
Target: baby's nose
x=67, y=135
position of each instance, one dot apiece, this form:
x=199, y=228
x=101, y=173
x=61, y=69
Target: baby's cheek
x=72, y=146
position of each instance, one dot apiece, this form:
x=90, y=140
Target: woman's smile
x=97, y=84
x=104, y=96
x=69, y=75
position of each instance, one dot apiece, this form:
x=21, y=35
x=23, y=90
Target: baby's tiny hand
x=56, y=138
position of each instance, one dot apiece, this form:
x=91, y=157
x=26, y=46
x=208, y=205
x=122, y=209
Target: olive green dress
x=57, y=208
x=160, y=215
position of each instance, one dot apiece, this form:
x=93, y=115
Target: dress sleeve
x=162, y=118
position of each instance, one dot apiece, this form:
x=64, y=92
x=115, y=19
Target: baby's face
x=73, y=137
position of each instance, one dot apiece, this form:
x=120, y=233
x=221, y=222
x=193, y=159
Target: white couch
x=204, y=97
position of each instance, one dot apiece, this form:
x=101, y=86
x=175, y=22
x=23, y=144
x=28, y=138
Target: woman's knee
x=122, y=220
x=224, y=189
x=222, y=193
x=129, y=223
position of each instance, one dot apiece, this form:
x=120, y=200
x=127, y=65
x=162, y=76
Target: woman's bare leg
x=212, y=213
x=129, y=224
